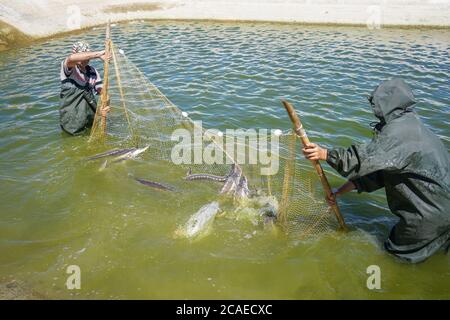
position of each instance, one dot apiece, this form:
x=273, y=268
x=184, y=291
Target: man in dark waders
x=79, y=83
x=410, y=162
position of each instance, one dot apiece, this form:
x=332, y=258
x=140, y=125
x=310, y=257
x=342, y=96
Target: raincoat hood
x=411, y=164
x=391, y=99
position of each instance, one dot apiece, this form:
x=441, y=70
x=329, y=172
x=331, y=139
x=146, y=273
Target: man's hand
x=346, y=187
x=332, y=198
x=104, y=111
x=85, y=57
x=105, y=57
x=314, y=152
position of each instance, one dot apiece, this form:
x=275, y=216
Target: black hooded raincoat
x=413, y=166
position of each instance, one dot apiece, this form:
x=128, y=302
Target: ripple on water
x=55, y=208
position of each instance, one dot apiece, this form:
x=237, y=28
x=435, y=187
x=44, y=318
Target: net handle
x=301, y=133
x=105, y=94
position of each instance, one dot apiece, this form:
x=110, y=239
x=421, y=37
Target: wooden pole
x=301, y=133
x=105, y=89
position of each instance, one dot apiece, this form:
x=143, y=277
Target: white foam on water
x=255, y=209
x=199, y=223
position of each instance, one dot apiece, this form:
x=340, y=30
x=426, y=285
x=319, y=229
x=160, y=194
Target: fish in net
x=142, y=116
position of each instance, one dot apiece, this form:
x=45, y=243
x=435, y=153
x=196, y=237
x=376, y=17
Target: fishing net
x=143, y=116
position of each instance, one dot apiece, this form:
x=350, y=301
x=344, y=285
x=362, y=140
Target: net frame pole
x=105, y=89
x=301, y=133
x=104, y=94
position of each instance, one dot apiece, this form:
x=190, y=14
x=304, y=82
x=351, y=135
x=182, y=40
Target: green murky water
x=55, y=210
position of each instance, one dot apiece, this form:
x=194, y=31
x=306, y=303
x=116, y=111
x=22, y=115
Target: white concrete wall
x=40, y=18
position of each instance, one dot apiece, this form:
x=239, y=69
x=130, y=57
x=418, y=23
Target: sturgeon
x=207, y=176
x=242, y=191
x=110, y=153
x=199, y=223
x=123, y=154
x=232, y=181
x=155, y=185
x=132, y=154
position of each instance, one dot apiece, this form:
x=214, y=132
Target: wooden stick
x=105, y=94
x=301, y=133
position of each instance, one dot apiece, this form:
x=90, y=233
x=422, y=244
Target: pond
x=56, y=211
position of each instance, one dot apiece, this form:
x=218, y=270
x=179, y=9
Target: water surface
x=57, y=210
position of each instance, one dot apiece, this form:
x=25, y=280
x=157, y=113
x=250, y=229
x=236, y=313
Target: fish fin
x=233, y=167
x=103, y=166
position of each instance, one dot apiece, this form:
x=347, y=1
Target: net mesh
x=141, y=115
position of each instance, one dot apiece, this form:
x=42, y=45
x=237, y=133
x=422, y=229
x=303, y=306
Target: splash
x=199, y=224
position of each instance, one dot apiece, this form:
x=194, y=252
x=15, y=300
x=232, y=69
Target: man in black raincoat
x=79, y=84
x=410, y=162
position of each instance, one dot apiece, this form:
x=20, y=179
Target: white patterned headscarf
x=80, y=46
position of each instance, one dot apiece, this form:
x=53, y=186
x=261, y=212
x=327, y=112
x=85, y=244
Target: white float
x=277, y=132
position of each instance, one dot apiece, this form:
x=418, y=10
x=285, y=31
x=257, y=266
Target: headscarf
x=80, y=46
